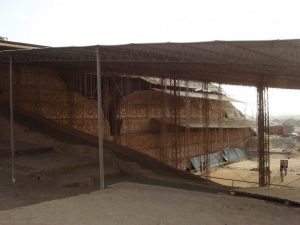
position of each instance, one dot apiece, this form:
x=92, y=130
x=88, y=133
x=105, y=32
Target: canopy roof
x=272, y=63
x=11, y=45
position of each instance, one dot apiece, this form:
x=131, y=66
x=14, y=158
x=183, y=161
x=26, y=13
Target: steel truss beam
x=207, y=137
x=163, y=133
x=175, y=121
x=263, y=135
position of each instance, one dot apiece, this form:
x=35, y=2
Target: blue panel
x=217, y=158
x=234, y=154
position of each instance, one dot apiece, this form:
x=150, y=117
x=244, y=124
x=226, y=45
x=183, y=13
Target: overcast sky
x=89, y=22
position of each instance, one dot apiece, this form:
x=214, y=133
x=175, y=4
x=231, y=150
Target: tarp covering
x=219, y=158
x=234, y=154
x=215, y=159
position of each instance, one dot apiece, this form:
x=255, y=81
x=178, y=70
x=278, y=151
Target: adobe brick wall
x=142, y=111
x=41, y=91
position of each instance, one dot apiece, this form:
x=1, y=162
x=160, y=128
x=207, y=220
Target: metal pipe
x=100, y=122
x=12, y=133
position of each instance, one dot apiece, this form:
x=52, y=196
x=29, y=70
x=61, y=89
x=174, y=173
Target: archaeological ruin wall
x=144, y=113
x=136, y=114
x=41, y=91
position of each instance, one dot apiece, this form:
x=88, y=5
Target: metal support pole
x=207, y=135
x=263, y=136
x=12, y=133
x=100, y=121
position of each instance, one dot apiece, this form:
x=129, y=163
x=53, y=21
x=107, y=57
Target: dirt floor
x=54, y=171
x=27, y=190
x=129, y=203
x=48, y=169
x=37, y=182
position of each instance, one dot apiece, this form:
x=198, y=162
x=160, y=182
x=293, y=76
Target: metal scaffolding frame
x=220, y=120
x=207, y=135
x=163, y=129
x=263, y=149
x=175, y=123
x=187, y=102
x=175, y=115
x=206, y=62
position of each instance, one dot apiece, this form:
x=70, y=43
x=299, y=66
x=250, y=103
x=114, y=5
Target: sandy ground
x=129, y=203
x=242, y=171
x=124, y=203
x=32, y=138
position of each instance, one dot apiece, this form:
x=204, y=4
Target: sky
x=90, y=22
x=282, y=102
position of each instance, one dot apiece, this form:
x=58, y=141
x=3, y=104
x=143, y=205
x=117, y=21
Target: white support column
x=100, y=122
x=12, y=133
